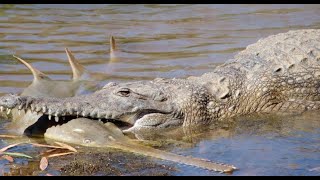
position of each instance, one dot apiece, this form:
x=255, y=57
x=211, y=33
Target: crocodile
x=279, y=73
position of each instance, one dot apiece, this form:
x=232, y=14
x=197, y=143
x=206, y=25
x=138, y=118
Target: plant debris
x=43, y=163
x=8, y=158
x=16, y=154
x=8, y=136
x=60, y=150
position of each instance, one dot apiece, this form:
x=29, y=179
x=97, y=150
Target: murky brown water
x=161, y=41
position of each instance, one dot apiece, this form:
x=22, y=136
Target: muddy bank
x=90, y=163
x=114, y=163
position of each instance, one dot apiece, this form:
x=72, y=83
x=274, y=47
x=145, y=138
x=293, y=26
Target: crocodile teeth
x=108, y=115
x=44, y=109
x=49, y=116
x=32, y=107
x=84, y=113
x=1, y=108
x=38, y=109
x=92, y=114
x=69, y=111
x=101, y=115
x=21, y=110
x=78, y=114
x=8, y=111
x=56, y=118
x=75, y=109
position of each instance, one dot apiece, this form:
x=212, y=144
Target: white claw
x=56, y=118
x=8, y=111
x=1, y=108
x=49, y=117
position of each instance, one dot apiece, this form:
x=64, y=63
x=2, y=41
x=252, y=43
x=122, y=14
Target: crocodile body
x=279, y=73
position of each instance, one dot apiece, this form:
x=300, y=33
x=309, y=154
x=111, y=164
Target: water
x=163, y=41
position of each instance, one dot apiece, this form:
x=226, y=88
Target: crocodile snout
x=9, y=102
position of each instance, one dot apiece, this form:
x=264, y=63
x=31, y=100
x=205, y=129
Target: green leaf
x=15, y=154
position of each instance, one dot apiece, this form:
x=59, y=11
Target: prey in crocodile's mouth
x=125, y=122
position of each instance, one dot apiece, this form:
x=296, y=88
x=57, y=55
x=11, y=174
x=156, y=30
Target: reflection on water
x=166, y=41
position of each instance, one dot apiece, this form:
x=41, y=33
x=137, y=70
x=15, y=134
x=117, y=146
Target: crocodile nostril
x=110, y=84
x=87, y=141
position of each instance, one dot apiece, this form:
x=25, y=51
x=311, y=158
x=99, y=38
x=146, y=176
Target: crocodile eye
x=125, y=92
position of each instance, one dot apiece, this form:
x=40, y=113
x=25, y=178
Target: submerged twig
x=8, y=147
x=8, y=136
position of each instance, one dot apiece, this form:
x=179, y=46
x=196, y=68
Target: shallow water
x=166, y=41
